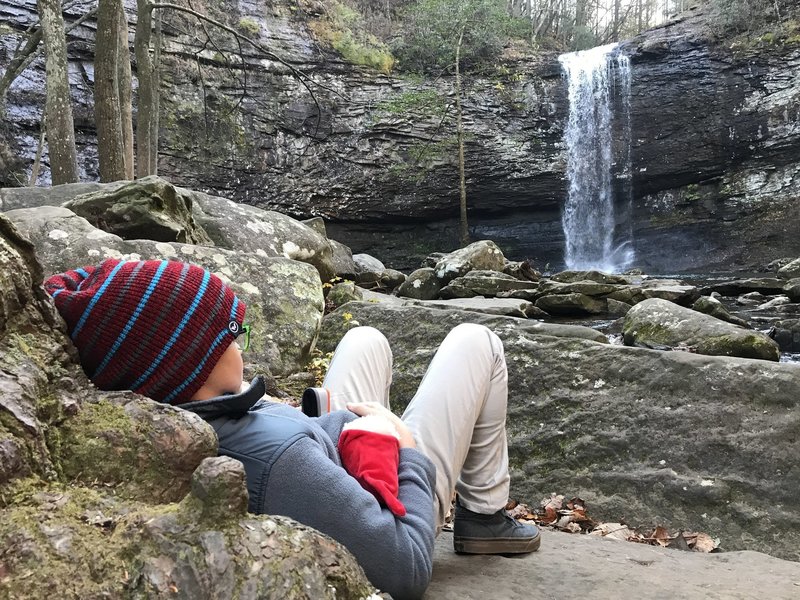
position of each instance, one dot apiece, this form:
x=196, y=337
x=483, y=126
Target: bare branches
x=27, y=54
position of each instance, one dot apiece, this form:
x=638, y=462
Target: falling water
x=589, y=218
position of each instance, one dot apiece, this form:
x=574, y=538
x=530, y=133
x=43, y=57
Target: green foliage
x=432, y=28
x=249, y=26
x=343, y=29
x=427, y=102
x=743, y=15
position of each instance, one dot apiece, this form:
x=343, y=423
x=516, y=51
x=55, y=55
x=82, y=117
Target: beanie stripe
x=186, y=361
x=109, y=318
x=83, y=273
x=161, y=355
x=132, y=358
x=94, y=300
x=132, y=321
x=199, y=367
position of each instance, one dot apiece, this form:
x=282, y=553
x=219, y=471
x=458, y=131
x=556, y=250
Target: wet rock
x=617, y=308
x=765, y=285
x=148, y=208
x=596, y=276
x=750, y=299
x=792, y=289
x=786, y=334
x=571, y=304
x=482, y=283
x=671, y=290
x=790, y=270
x=421, y=284
x=585, y=287
x=478, y=256
x=659, y=322
x=775, y=302
x=711, y=306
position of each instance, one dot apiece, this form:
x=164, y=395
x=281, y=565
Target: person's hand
x=362, y=409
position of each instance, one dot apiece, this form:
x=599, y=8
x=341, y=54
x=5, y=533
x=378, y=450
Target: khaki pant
x=457, y=416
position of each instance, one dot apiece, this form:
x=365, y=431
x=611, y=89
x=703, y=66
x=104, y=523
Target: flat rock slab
x=582, y=566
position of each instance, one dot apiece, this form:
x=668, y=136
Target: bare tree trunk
x=462, y=186
x=146, y=146
x=107, y=112
x=58, y=105
x=124, y=91
x=37, y=162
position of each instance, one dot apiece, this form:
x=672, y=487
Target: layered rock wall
x=714, y=130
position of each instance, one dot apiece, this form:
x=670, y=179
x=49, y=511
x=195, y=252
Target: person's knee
x=367, y=338
x=477, y=336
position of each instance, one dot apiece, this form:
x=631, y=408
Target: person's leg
x=361, y=369
x=458, y=418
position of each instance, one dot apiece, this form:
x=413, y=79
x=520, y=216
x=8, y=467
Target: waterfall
x=594, y=239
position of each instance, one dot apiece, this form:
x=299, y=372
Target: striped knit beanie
x=155, y=327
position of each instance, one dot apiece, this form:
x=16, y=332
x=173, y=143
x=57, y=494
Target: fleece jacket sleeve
x=396, y=553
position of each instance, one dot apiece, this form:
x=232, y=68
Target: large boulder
x=572, y=304
x=790, y=270
x=792, y=289
x=89, y=482
x=422, y=284
x=244, y=228
x=284, y=297
x=482, y=255
x=148, y=208
x=711, y=306
x=786, y=333
x=702, y=443
x=657, y=323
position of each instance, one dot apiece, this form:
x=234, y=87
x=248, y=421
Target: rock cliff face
x=714, y=132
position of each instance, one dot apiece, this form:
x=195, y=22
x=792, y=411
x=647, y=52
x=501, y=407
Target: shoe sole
x=464, y=545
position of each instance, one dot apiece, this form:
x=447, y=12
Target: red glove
x=373, y=458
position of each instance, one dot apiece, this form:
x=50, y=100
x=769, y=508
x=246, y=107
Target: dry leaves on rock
x=570, y=516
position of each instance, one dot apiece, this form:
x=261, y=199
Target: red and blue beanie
x=155, y=327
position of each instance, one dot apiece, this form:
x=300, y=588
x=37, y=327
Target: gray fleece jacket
x=293, y=469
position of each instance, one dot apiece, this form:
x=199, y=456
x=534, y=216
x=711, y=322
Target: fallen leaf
x=615, y=531
x=705, y=543
x=576, y=504
x=573, y=528
x=555, y=501
x=661, y=536
x=564, y=521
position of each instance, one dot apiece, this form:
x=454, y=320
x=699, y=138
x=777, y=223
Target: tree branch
x=23, y=59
